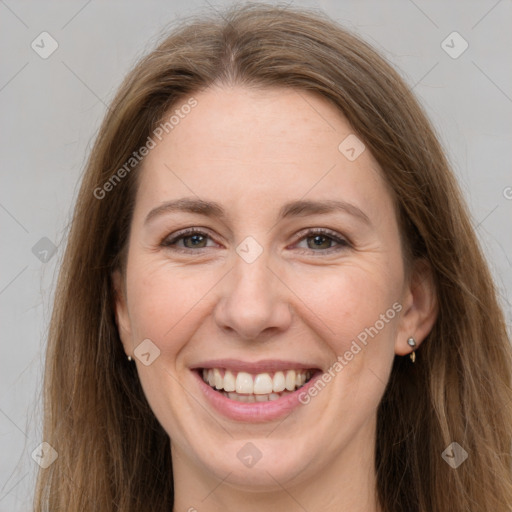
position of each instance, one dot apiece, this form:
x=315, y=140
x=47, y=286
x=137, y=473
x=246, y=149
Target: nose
x=254, y=304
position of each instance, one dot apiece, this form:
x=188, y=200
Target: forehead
x=258, y=148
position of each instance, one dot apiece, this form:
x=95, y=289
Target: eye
x=192, y=239
x=322, y=240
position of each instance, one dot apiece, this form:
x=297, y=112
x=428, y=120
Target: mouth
x=254, y=392
x=242, y=386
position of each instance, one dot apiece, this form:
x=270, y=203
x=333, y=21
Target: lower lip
x=254, y=412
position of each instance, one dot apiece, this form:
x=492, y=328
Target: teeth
x=290, y=380
x=255, y=398
x=263, y=386
x=279, y=382
x=217, y=377
x=244, y=383
x=229, y=381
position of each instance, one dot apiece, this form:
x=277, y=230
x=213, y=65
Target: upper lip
x=261, y=366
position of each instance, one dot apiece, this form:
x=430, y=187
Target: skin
x=252, y=150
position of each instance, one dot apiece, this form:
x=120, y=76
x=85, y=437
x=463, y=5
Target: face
x=292, y=311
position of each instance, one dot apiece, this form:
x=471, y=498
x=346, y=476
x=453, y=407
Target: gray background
x=51, y=109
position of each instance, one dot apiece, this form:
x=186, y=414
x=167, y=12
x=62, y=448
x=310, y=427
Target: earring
x=412, y=343
x=130, y=358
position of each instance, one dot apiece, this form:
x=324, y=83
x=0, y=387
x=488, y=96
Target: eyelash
x=342, y=242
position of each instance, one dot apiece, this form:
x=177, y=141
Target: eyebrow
x=300, y=208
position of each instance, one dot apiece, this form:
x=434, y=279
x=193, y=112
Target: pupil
x=318, y=238
x=195, y=239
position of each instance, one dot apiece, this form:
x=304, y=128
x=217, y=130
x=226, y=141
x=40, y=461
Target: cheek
x=164, y=300
x=355, y=309
x=347, y=300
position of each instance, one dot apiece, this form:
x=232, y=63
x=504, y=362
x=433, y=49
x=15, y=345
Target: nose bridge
x=253, y=300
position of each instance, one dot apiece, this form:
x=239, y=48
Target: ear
x=420, y=307
x=121, y=311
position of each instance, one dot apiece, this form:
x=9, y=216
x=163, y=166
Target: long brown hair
x=113, y=453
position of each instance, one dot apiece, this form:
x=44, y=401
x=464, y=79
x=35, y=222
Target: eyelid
x=168, y=240
x=341, y=240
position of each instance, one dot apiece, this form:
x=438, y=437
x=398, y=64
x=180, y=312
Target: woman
x=272, y=297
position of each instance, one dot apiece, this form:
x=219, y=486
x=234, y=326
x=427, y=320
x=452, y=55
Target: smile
x=254, y=392
x=262, y=387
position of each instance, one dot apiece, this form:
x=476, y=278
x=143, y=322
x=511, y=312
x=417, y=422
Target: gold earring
x=412, y=343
